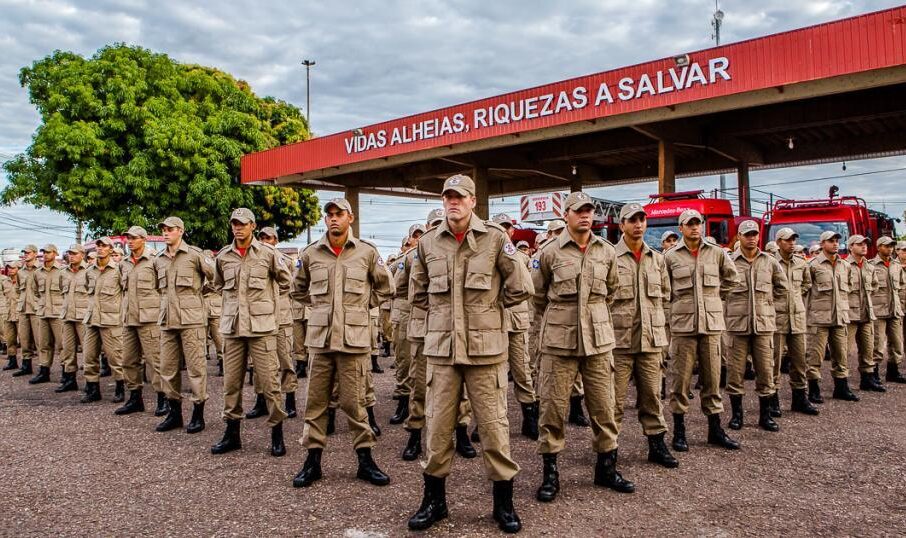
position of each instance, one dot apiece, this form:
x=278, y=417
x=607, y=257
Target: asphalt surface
x=71, y=469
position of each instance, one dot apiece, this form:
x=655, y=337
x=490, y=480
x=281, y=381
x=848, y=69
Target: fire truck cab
x=664, y=211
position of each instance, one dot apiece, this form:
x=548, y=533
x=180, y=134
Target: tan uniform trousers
x=386, y=326
x=520, y=368
x=486, y=386
x=761, y=348
x=558, y=374
x=288, y=380
x=818, y=340
x=28, y=335
x=236, y=353
x=110, y=341
x=705, y=349
x=73, y=337
x=794, y=345
x=646, y=368
x=299, y=350
x=861, y=339
x=11, y=336
x=190, y=345
x=418, y=368
x=216, y=337
x=50, y=339
x=889, y=336
x=141, y=352
x=402, y=360
x=369, y=391
x=350, y=372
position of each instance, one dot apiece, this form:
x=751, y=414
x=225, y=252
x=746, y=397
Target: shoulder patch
x=509, y=248
x=380, y=261
x=401, y=265
x=536, y=263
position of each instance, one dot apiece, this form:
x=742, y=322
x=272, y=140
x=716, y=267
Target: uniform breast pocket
x=564, y=282
x=355, y=281
x=319, y=282
x=653, y=283
x=145, y=281
x=257, y=277
x=710, y=276
x=230, y=274
x=478, y=274
x=438, y=275
x=682, y=278
x=162, y=279
x=185, y=278
x=599, y=279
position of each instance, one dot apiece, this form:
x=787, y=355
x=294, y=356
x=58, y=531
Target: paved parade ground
x=71, y=469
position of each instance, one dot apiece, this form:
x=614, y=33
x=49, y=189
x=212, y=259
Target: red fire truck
x=538, y=208
x=846, y=215
x=664, y=211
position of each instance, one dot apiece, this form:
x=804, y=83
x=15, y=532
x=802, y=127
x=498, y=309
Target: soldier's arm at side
x=418, y=281
x=613, y=279
x=806, y=281
x=301, y=282
x=781, y=284
x=216, y=284
x=517, y=286
x=382, y=287
x=540, y=281
x=205, y=265
x=280, y=271
x=729, y=277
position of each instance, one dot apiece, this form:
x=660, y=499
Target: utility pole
x=308, y=65
x=716, y=22
x=78, y=231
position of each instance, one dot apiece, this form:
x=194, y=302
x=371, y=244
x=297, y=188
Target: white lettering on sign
x=673, y=79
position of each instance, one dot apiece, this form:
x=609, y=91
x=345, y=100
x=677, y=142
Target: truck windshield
x=810, y=232
x=656, y=228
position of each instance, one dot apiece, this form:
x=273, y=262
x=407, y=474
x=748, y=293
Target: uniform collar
x=325, y=242
x=564, y=239
x=254, y=245
x=43, y=267
x=702, y=245
x=622, y=248
x=821, y=257
x=736, y=254
x=475, y=225
x=144, y=256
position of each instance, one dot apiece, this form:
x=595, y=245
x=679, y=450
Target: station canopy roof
x=819, y=94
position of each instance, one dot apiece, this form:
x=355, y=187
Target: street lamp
x=308, y=64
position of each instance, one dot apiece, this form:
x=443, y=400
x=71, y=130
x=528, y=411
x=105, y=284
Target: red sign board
x=868, y=42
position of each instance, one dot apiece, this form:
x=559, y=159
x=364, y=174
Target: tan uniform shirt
x=572, y=289
x=697, y=283
x=750, y=305
x=11, y=297
x=4, y=303
x=861, y=286
x=141, y=300
x=250, y=287
x=828, y=303
x=886, y=296
x=105, y=296
x=28, y=294
x=284, y=303
x=75, y=294
x=213, y=301
x=49, y=288
x=637, y=308
x=790, y=309
x=464, y=288
x=519, y=317
x=418, y=317
x=902, y=286
x=180, y=280
x=341, y=290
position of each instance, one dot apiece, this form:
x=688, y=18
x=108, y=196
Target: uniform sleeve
x=301, y=282
x=613, y=277
x=806, y=281
x=517, y=286
x=216, y=284
x=729, y=277
x=418, y=280
x=281, y=272
x=666, y=290
x=540, y=281
x=381, y=284
x=781, y=284
x=206, y=266
x=401, y=279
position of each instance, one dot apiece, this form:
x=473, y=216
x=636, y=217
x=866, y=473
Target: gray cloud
x=380, y=60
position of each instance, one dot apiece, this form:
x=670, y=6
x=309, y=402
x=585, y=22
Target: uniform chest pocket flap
x=355, y=281
x=564, y=282
x=438, y=275
x=478, y=275
x=185, y=278
x=230, y=273
x=258, y=277
x=320, y=281
x=764, y=282
x=682, y=277
x=824, y=282
x=710, y=276
x=145, y=280
x=599, y=279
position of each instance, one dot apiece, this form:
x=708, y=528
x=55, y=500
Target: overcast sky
x=381, y=60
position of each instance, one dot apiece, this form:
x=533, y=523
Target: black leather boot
x=231, y=440
x=119, y=393
x=135, y=404
x=105, y=367
x=723, y=376
x=373, y=421
x=414, y=445
x=402, y=411
x=679, y=433
x=301, y=369
x=259, y=409
x=68, y=383
x=842, y=392
x=251, y=377
x=504, y=512
x=550, y=479
x=868, y=382
x=775, y=405
x=785, y=364
x=463, y=446
x=717, y=435
x=25, y=369
x=385, y=348
x=765, y=420
x=311, y=469
x=893, y=374
x=331, y=420
x=197, y=423
x=475, y=437
x=11, y=363
x=368, y=469
x=92, y=392
x=43, y=376
x=658, y=452
x=814, y=391
x=290, y=405
x=736, y=416
x=219, y=368
x=278, y=447
x=530, y=420
x=434, y=504
x=801, y=404
x=606, y=474
x=375, y=367
x=576, y=416
x=173, y=419
x=162, y=407
x=749, y=374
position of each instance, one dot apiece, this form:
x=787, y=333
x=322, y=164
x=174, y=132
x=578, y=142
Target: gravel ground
x=74, y=469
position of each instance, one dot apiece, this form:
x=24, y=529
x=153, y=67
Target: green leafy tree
x=130, y=136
